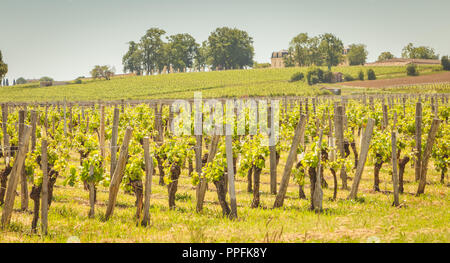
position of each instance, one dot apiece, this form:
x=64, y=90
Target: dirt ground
x=405, y=81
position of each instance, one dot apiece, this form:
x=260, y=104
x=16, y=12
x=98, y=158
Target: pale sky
x=64, y=39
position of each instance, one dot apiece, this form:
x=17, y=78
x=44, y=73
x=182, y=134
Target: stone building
x=277, y=58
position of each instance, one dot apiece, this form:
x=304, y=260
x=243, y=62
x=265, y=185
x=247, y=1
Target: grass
x=232, y=83
x=370, y=218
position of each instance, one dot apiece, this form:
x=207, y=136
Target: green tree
x=201, y=57
x=21, y=81
x=304, y=51
x=445, y=63
x=45, y=79
x=422, y=52
x=132, y=60
x=182, y=50
x=99, y=72
x=3, y=67
x=331, y=49
x=153, y=53
x=299, y=49
x=357, y=55
x=230, y=48
x=385, y=56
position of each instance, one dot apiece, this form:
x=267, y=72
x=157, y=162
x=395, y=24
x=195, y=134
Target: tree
x=385, y=56
x=357, y=54
x=422, y=52
x=201, y=57
x=132, y=60
x=3, y=67
x=152, y=47
x=304, y=51
x=21, y=81
x=230, y=48
x=331, y=49
x=182, y=50
x=45, y=79
x=299, y=49
x=445, y=63
x=102, y=72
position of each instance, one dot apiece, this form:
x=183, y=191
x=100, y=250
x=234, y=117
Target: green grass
x=233, y=83
x=420, y=219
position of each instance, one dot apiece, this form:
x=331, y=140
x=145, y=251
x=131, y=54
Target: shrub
x=314, y=76
x=361, y=75
x=21, y=81
x=445, y=63
x=78, y=81
x=297, y=77
x=411, y=70
x=327, y=76
x=348, y=77
x=371, y=74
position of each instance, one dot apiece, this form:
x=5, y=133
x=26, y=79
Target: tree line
x=328, y=50
x=225, y=48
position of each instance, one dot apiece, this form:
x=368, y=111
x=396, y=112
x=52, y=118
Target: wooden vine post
x=365, y=144
x=44, y=197
x=6, y=147
x=339, y=131
x=148, y=182
x=203, y=183
x=299, y=133
x=230, y=172
x=317, y=195
x=23, y=177
x=418, y=156
x=426, y=155
x=118, y=174
x=114, y=137
x=102, y=131
x=273, y=153
x=395, y=161
x=16, y=172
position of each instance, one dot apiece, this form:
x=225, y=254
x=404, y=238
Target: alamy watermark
x=229, y=117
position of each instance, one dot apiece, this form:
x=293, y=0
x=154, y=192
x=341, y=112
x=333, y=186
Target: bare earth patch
x=405, y=81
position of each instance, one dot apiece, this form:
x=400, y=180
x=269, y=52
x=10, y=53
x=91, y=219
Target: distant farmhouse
x=277, y=60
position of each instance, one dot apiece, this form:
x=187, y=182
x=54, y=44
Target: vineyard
x=216, y=84
x=351, y=168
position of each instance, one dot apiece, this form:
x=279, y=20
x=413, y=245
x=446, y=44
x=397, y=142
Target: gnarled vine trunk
x=175, y=171
x=401, y=170
x=161, y=170
x=138, y=189
x=376, y=174
x=249, y=180
x=35, y=195
x=3, y=182
x=221, y=194
x=256, y=183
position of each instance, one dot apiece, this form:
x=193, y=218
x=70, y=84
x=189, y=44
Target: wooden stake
x=426, y=155
x=230, y=172
x=299, y=132
x=14, y=177
x=118, y=174
x=44, y=200
x=148, y=182
x=365, y=144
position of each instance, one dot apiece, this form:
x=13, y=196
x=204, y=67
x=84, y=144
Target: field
x=420, y=219
x=369, y=218
x=233, y=83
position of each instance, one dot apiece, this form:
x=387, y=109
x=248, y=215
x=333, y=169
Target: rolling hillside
x=233, y=83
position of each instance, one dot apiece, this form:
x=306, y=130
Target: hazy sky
x=64, y=39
